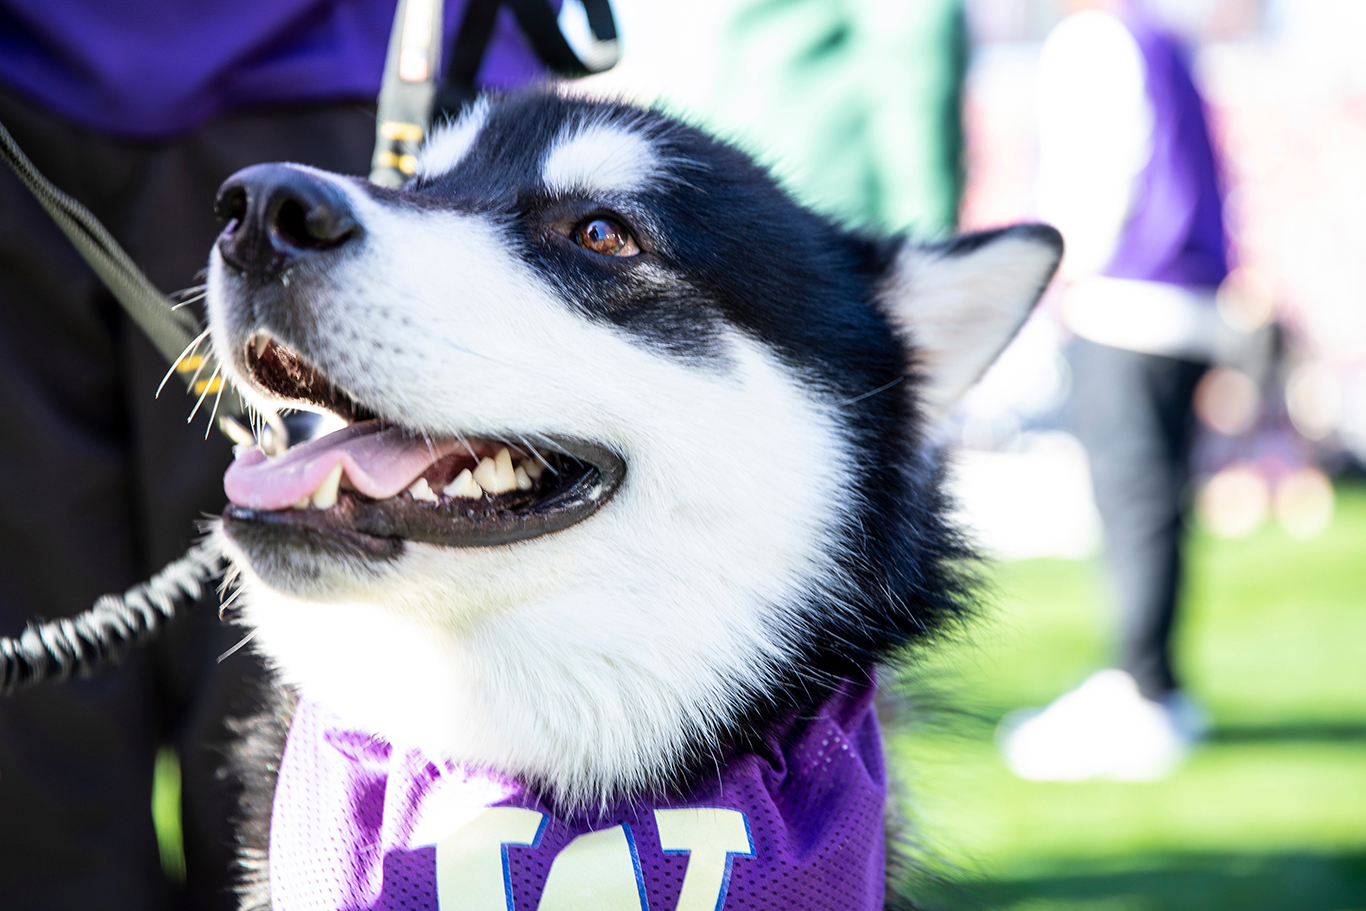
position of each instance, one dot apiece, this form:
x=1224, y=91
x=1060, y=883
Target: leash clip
x=406, y=96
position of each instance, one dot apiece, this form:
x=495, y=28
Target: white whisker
x=228, y=602
x=216, y=399
x=468, y=448
x=533, y=450
x=195, y=377
x=207, y=386
x=551, y=444
x=872, y=392
x=189, y=349
x=229, y=653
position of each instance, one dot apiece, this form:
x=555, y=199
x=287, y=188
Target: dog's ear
x=961, y=301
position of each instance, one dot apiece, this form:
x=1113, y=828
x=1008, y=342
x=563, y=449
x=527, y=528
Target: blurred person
x=1127, y=172
x=856, y=105
x=140, y=110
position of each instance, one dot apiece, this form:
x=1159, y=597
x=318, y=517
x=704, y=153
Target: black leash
x=410, y=94
x=172, y=331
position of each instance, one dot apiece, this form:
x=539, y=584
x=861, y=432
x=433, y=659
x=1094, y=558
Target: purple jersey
x=358, y=824
x=154, y=68
x=1175, y=233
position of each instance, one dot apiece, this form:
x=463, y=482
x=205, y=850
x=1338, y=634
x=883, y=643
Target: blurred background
x=857, y=106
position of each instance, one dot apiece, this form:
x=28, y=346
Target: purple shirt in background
x=1176, y=231
x=357, y=824
x=154, y=68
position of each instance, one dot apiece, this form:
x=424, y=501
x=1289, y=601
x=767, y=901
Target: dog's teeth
x=422, y=491
x=325, y=496
x=303, y=503
x=523, y=479
x=486, y=473
x=261, y=343
x=496, y=475
x=533, y=468
x=507, y=475
x=464, y=486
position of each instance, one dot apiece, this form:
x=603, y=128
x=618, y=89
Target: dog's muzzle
x=372, y=485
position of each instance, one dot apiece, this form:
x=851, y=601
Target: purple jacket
x=1176, y=231
x=357, y=824
x=155, y=68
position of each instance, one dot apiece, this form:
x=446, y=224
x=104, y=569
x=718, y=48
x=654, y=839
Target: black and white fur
x=771, y=380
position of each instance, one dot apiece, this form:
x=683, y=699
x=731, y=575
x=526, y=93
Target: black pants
x=101, y=485
x=1134, y=416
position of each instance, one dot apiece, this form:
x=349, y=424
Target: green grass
x=1270, y=813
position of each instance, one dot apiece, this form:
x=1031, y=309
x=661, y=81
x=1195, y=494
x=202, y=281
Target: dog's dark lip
x=588, y=474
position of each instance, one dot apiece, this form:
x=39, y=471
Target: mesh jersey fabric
x=357, y=823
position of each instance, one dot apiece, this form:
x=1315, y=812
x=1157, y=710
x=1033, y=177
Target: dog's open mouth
x=374, y=484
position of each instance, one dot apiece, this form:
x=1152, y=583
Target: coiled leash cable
x=78, y=646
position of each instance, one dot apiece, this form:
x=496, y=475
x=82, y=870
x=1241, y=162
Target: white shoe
x=1104, y=728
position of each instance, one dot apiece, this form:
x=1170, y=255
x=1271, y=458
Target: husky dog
x=636, y=488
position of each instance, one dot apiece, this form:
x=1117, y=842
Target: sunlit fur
x=445, y=149
x=780, y=525
x=602, y=158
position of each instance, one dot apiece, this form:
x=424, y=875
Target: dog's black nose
x=277, y=214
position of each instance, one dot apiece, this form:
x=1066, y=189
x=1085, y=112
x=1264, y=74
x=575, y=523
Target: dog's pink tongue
x=379, y=461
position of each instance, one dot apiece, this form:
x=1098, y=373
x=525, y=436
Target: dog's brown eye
x=605, y=237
